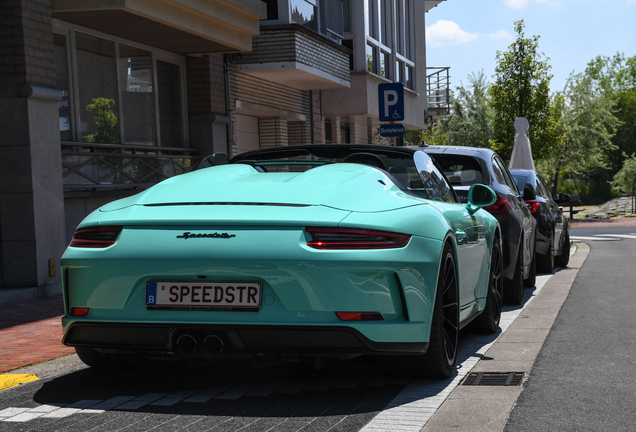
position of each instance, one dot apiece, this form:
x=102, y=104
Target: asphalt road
x=584, y=378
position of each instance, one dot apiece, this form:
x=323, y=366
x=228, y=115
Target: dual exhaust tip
x=188, y=345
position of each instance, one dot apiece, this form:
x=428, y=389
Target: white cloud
x=447, y=33
x=500, y=34
x=516, y=4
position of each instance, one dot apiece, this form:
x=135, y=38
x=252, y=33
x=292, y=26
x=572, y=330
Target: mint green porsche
x=320, y=251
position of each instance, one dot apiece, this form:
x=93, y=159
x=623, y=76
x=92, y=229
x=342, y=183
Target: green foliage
x=625, y=138
x=625, y=179
x=469, y=122
x=584, y=137
x=522, y=89
x=105, y=120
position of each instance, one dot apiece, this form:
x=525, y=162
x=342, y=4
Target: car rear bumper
x=162, y=340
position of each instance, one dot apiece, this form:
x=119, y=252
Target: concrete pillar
x=336, y=136
x=31, y=192
x=358, y=129
x=207, y=109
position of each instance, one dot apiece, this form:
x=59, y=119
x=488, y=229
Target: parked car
x=311, y=251
x=465, y=166
x=553, y=234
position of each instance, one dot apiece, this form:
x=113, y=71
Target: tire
x=545, y=263
x=98, y=360
x=513, y=289
x=441, y=357
x=488, y=320
x=563, y=259
x=532, y=277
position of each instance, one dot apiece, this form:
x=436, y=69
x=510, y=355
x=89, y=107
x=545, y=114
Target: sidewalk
x=31, y=332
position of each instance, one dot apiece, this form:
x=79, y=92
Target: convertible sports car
x=321, y=251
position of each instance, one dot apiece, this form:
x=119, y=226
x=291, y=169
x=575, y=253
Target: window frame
x=68, y=30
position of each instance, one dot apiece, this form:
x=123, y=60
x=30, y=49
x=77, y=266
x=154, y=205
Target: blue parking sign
x=391, y=99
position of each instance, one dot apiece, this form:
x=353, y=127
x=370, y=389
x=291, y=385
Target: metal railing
x=438, y=89
x=90, y=166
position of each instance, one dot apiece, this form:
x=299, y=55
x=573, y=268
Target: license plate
x=206, y=296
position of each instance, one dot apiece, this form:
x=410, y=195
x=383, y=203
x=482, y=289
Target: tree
x=616, y=77
x=469, y=122
x=105, y=120
x=522, y=89
x=583, y=138
x=625, y=179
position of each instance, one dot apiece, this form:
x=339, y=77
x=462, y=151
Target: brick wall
x=206, y=85
x=274, y=132
x=296, y=44
x=26, y=43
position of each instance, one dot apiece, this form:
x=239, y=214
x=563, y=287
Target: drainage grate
x=495, y=379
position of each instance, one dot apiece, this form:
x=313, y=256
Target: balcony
x=438, y=91
x=298, y=57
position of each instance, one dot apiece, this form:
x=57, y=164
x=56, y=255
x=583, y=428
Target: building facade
x=122, y=94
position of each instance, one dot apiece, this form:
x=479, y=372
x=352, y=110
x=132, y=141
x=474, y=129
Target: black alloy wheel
x=513, y=289
x=488, y=320
x=441, y=357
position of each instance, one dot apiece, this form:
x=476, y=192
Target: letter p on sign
x=391, y=100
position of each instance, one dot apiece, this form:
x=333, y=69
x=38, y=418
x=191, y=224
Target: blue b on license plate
x=204, y=295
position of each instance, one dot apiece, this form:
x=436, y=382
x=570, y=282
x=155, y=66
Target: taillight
x=351, y=238
x=501, y=206
x=533, y=205
x=77, y=311
x=360, y=316
x=96, y=237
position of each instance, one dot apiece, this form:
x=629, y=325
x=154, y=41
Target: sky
x=466, y=34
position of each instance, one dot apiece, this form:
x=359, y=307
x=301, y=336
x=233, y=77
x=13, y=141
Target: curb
x=486, y=408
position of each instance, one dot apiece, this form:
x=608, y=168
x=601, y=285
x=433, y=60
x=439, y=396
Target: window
x=61, y=70
x=385, y=65
x=371, y=18
x=137, y=98
x=409, y=78
x=503, y=171
x=304, y=12
x=272, y=9
x=385, y=22
x=125, y=93
x=97, y=80
x=346, y=15
x=371, y=59
x=399, y=71
x=348, y=43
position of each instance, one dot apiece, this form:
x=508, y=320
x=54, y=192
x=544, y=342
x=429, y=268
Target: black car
x=553, y=234
x=465, y=166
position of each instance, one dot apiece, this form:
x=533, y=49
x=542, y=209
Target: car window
x=432, y=181
x=460, y=170
x=506, y=174
x=520, y=180
x=545, y=190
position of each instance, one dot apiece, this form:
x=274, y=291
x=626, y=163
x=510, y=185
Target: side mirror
x=213, y=160
x=479, y=196
x=529, y=193
x=563, y=198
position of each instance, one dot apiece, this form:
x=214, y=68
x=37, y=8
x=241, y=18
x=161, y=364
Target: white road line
x=625, y=236
x=582, y=238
